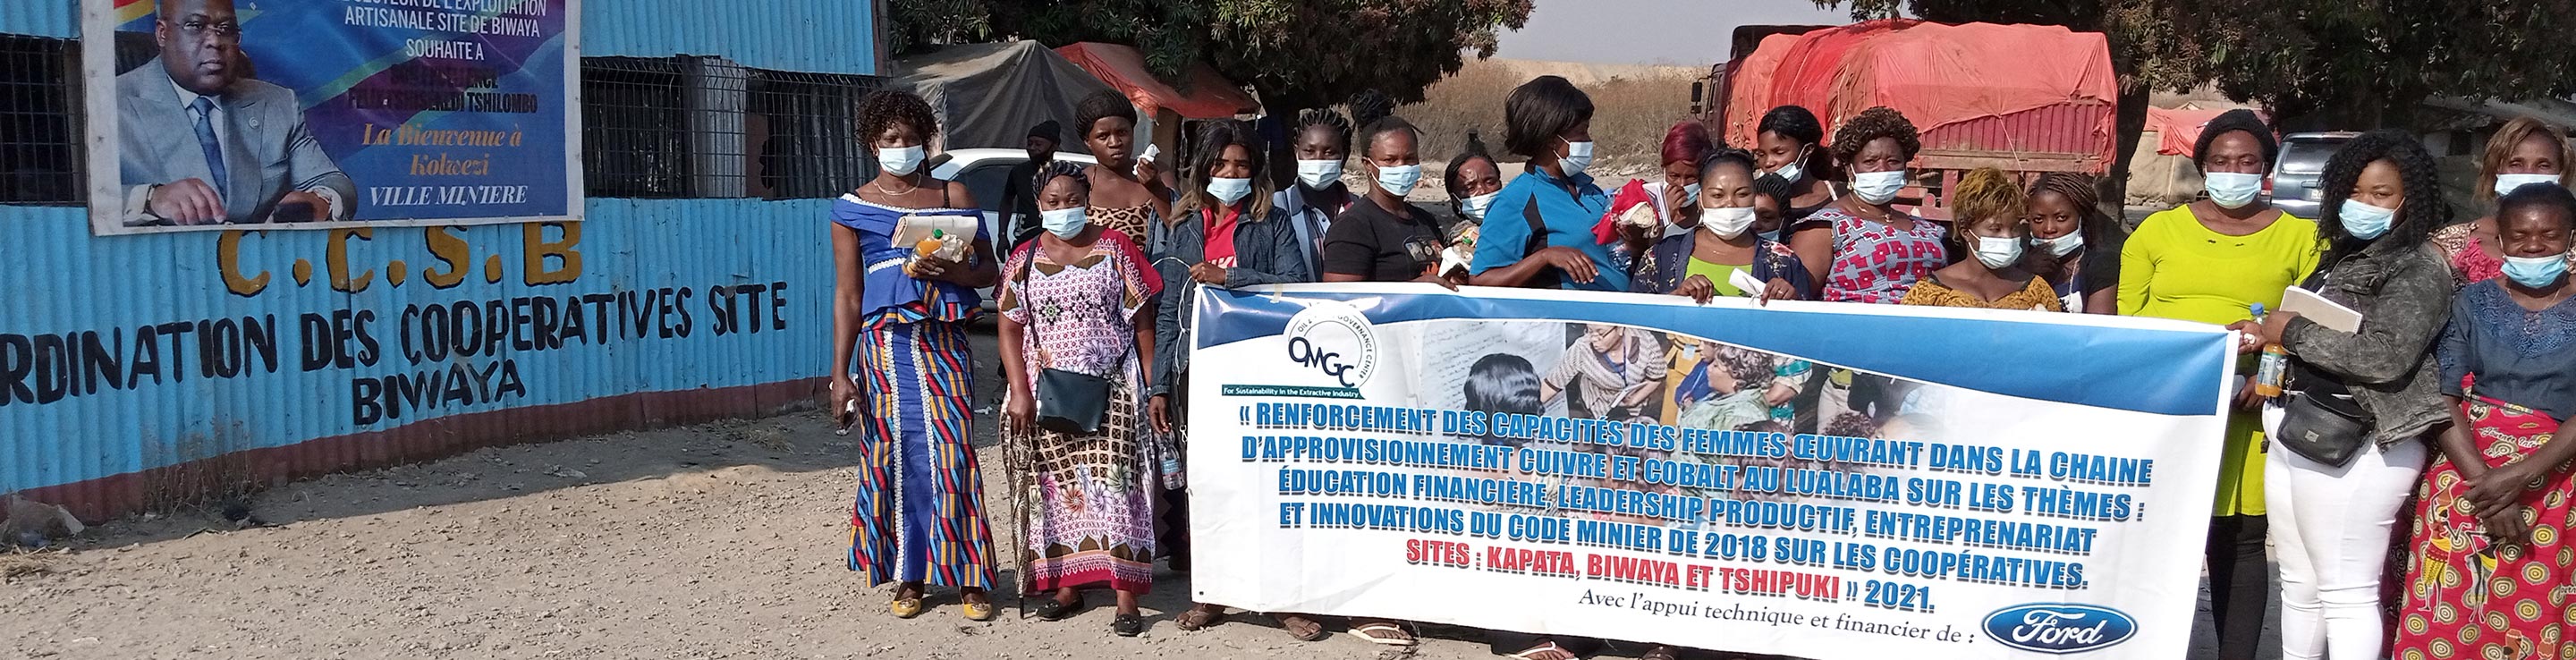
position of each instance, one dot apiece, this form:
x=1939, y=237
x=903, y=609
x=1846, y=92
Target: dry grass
x=18, y=564
x=1630, y=114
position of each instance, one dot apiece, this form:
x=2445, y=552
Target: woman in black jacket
x=2362, y=404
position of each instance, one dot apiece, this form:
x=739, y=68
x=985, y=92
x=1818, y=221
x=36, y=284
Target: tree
x=1296, y=53
x=2341, y=63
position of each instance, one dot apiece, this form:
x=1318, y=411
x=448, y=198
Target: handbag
x=2323, y=427
x=1069, y=402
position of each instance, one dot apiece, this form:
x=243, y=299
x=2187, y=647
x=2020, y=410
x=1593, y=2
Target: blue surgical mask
x=2536, y=272
x=1578, y=157
x=1474, y=206
x=2506, y=183
x=2232, y=190
x=2064, y=245
x=1400, y=179
x=901, y=160
x=1229, y=191
x=1065, y=222
x=1690, y=193
x=2364, y=220
x=1878, y=187
x=1317, y=174
x=1792, y=172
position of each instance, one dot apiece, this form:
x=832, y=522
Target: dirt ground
x=718, y=541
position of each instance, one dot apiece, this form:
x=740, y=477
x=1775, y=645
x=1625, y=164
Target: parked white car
x=985, y=171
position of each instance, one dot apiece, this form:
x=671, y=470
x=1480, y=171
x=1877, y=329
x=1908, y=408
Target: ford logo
x=2059, y=628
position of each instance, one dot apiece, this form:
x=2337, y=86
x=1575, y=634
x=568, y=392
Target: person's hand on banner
x=186, y=202
x=1778, y=289
x=1698, y=288
x=313, y=207
x=1159, y=411
x=2249, y=335
x=1208, y=273
x=2274, y=326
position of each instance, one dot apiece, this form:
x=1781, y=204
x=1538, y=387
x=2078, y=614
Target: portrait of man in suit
x=202, y=143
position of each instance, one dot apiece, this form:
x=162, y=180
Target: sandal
x=1544, y=651
x=1391, y=633
x=1056, y=610
x=906, y=607
x=978, y=611
x=1293, y=624
x=1661, y=652
x=1198, y=619
x=1127, y=625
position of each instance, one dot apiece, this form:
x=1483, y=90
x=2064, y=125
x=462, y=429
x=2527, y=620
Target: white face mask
x=2064, y=245
x=2232, y=190
x=900, y=161
x=1726, y=222
x=2505, y=183
x=1997, y=253
x=1229, y=191
x=1474, y=206
x=1792, y=171
x=1878, y=187
x=1319, y=173
x=1399, y=180
x=1065, y=222
x=1578, y=157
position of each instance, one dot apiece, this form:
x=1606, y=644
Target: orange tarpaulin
x=1211, y=96
x=1937, y=74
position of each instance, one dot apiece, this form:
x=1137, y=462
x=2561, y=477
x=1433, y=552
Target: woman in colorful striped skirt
x=902, y=374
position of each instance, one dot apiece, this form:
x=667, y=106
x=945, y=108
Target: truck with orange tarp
x=2022, y=98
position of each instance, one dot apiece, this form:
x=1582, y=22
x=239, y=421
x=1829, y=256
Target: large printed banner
x=1822, y=481
x=331, y=113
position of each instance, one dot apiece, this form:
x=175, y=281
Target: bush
x=1630, y=113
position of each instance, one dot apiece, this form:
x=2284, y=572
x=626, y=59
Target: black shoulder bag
x=1069, y=402
x=2320, y=421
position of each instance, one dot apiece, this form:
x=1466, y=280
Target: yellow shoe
x=979, y=611
x=905, y=608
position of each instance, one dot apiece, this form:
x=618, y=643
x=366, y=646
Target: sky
x=1675, y=32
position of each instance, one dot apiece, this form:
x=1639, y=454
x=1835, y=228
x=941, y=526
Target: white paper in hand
x=2317, y=308
x=1743, y=279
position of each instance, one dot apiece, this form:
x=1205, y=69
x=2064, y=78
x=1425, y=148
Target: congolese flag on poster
x=1826, y=481
x=331, y=113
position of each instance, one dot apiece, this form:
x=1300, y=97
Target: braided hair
x=1368, y=106
x=1327, y=119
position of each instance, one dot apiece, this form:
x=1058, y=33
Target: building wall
x=143, y=370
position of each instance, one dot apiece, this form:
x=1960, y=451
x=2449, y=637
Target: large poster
x=1837, y=482
x=209, y=114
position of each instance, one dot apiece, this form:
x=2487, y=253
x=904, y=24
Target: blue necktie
x=206, y=142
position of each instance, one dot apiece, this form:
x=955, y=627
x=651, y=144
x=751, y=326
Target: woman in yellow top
x=1989, y=208
x=2210, y=261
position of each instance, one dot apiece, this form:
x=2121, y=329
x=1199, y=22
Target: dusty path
x=709, y=542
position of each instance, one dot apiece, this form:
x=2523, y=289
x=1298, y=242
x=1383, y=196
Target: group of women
x=2446, y=393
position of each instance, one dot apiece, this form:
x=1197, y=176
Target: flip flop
x=1198, y=619
x=1383, y=632
x=1542, y=651
x=1317, y=635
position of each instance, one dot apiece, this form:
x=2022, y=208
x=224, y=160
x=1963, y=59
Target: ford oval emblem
x=2059, y=627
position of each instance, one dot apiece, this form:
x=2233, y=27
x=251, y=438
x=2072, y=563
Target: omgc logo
x=2059, y=628
x=1332, y=338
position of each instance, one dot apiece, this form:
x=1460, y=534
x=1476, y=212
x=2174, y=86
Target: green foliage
x=1296, y=53
x=2307, y=56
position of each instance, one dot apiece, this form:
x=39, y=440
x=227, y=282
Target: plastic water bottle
x=2274, y=363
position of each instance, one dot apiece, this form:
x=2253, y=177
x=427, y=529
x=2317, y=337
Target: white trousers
x=2330, y=530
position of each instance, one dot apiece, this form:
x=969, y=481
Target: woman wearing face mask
x=901, y=318
x=1386, y=239
x=1081, y=299
x=1702, y=264
x=1122, y=199
x=2339, y=492
x=1788, y=143
x=2492, y=557
x=1473, y=180
x=2209, y=261
x=1318, y=198
x=1990, y=227
x=1224, y=233
x=2066, y=226
x=2524, y=151
x=1540, y=233
x=1867, y=251
x=1678, y=194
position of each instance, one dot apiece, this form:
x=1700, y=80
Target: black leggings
x=2240, y=584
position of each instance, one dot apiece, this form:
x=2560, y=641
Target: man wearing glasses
x=203, y=144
